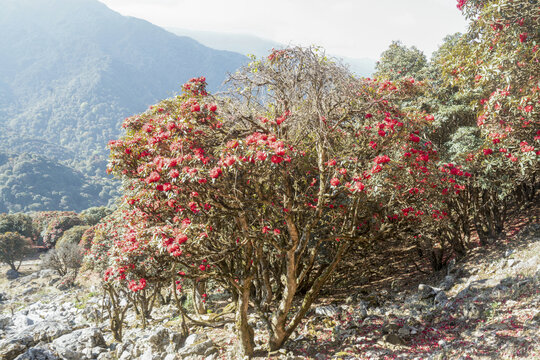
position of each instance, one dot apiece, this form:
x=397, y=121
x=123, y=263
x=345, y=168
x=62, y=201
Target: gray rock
x=195, y=339
x=12, y=349
x=45, y=273
x=106, y=356
x=79, y=344
x=49, y=330
x=197, y=344
x=12, y=274
x=5, y=321
x=440, y=299
x=26, y=279
x=160, y=337
x=425, y=291
x=404, y=331
x=448, y=282
x=394, y=339
x=510, y=262
x=37, y=353
x=3, y=297
x=471, y=311
x=29, y=291
x=508, y=252
x=362, y=309
x=22, y=321
x=329, y=311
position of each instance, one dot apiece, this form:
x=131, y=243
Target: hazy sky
x=353, y=28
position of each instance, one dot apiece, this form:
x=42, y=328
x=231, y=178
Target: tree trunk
x=199, y=288
x=280, y=330
x=244, y=331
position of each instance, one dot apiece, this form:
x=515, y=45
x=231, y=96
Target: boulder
x=195, y=339
x=362, y=310
x=13, y=346
x=48, y=330
x=28, y=336
x=197, y=345
x=21, y=321
x=80, y=344
x=37, y=353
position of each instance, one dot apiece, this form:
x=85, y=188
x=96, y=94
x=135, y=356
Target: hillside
x=484, y=306
x=72, y=70
x=30, y=182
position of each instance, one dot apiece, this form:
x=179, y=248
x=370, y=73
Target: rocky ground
x=486, y=306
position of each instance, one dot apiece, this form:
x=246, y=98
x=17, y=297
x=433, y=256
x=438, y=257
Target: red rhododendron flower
x=488, y=151
x=382, y=159
x=181, y=238
x=213, y=108
x=229, y=160
x=195, y=108
x=153, y=177
x=137, y=285
x=174, y=173
x=261, y=156
x=414, y=138
x=276, y=159
x=215, y=172
x=334, y=182
x=359, y=186
x=523, y=37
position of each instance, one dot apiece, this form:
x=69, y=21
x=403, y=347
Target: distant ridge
x=249, y=44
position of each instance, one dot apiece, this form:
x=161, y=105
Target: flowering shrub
x=255, y=189
x=497, y=62
x=52, y=225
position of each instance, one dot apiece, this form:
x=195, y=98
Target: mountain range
x=72, y=70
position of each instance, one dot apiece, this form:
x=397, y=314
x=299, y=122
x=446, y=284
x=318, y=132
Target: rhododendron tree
x=264, y=189
x=399, y=61
x=497, y=60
